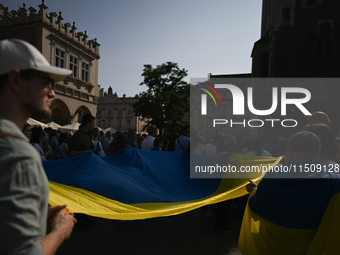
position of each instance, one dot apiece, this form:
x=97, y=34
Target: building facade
x=117, y=112
x=62, y=46
x=301, y=39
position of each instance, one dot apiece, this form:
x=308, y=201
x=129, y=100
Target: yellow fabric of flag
x=259, y=236
x=82, y=201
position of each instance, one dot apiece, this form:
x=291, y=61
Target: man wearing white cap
x=147, y=144
x=26, y=88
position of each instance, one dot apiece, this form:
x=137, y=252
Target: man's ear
x=14, y=80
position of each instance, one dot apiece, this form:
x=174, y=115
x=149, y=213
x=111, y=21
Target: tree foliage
x=166, y=100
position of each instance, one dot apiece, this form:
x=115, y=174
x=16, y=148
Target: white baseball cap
x=18, y=54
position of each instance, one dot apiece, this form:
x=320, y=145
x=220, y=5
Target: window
x=120, y=112
x=310, y=2
x=59, y=58
x=74, y=66
x=109, y=111
x=109, y=122
x=128, y=123
x=85, y=72
x=325, y=30
x=285, y=14
x=119, y=123
x=129, y=111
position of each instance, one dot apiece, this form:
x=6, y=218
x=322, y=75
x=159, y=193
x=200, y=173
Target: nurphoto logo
x=238, y=104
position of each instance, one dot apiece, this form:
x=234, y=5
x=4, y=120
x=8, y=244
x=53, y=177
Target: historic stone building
x=300, y=38
x=62, y=46
x=117, y=112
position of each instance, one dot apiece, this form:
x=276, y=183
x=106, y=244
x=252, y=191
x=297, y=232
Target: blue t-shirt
x=182, y=143
x=294, y=199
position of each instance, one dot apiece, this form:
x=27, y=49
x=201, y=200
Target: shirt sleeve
x=21, y=202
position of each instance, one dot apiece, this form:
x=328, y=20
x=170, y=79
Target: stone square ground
x=185, y=234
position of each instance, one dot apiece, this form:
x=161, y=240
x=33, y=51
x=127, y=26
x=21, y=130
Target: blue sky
x=202, y=36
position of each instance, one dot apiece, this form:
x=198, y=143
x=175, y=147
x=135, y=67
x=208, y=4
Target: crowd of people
x=52, y=144
x=29, y=226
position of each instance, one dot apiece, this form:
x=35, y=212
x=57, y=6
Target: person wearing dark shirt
x=120, y=142
x=81, y=141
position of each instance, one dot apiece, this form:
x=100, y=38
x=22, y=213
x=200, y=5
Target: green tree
x=166, y=100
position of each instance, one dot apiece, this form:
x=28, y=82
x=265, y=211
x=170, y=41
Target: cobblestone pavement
x=189, y=233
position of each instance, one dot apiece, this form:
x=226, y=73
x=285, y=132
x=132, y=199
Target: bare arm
x=61, y=225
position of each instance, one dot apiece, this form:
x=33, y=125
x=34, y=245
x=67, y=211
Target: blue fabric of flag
x=295, y=202
x=133, y=176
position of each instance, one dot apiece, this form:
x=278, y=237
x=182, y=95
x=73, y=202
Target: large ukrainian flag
x=136, y=184
x=293, y=216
